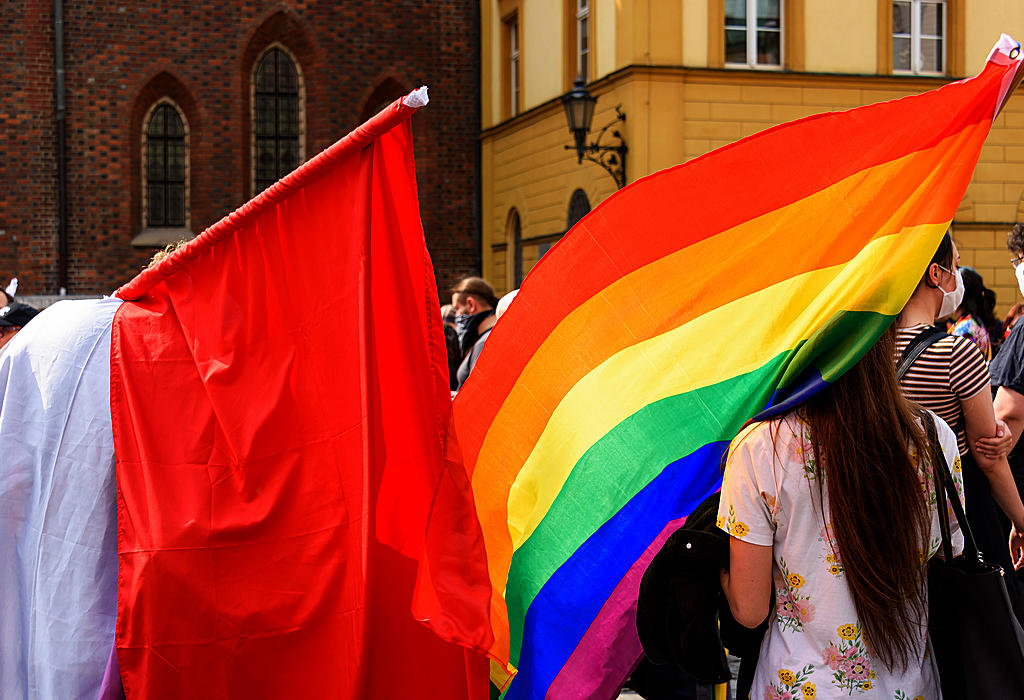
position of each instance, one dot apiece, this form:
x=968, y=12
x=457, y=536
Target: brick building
x=176, y=113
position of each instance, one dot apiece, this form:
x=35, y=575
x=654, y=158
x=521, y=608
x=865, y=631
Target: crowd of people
x=14, y=314
x=468, y=321
x=834, y=509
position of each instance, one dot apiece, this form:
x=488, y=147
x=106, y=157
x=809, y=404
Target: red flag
x=279, y=400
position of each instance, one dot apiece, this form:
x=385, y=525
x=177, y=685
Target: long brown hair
x=867, y=438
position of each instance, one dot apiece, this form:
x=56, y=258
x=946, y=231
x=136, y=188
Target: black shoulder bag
x=977, y=642
x=918, y=344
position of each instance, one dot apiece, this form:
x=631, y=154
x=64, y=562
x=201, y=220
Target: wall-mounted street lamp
x=579, y=112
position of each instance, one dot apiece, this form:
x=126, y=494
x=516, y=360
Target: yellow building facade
x=693, y=75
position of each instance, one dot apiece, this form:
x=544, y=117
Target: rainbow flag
x=683, y=306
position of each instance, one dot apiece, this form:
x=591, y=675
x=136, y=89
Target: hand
x=1017, y=547
x=997, y=446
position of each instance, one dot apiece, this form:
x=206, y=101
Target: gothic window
x=166, y=167
x=277, y=118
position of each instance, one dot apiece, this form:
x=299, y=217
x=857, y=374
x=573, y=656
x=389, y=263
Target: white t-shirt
x=814, y=647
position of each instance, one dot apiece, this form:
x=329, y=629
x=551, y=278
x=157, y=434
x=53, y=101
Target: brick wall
x=121, y=57
x=28, y=181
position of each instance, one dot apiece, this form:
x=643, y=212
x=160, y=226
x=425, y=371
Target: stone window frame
x=301, y=78
x=158, y=236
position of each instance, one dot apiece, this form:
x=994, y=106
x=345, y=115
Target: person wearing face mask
x=951, y=378
x=473, y=299
x=1008, y=368
x=974, y=318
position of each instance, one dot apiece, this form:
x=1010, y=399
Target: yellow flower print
x=835, y=569
x=830, y=558
x=866, y=685
x=795, y=580
x=721, y=521
x=847, y=631
x=872, y=675
x=810, y=691
x=738, y=529
x=956, y=464
x=918, y=697
x=786, y=676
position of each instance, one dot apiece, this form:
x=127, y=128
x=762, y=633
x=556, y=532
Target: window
x=579, y=206
x=514, y=233
x=753, y=33
x=918, y=36
x=511, y=68
x=165, y=167
x=583, y=40
x=277, y=118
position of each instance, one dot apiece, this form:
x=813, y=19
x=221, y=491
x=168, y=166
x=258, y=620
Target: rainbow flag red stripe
x=676, y=311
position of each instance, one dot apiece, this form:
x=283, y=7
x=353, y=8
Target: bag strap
x=945, y=479
x=918, y=344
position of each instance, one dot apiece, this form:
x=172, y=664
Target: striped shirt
x=948, y=372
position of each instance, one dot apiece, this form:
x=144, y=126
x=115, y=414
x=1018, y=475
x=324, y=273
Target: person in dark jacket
x=473, y=299
x=451, y=343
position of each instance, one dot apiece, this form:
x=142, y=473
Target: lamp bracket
x=610, y=157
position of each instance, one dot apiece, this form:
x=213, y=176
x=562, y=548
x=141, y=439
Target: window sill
x=755, y=66
x=158, y=237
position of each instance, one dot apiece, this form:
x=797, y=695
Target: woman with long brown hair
x=833, y=507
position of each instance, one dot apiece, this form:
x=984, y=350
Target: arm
x=1009, y=408
x=980, y=420
x=748, y=583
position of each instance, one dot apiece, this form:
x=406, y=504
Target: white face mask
x=1019, y=272
x=951, y=300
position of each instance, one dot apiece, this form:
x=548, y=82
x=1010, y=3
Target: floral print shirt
x=815, y=646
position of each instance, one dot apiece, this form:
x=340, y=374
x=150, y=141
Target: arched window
x=277, y=117
x=579, y=206
x=514, y=231
x=165, y=167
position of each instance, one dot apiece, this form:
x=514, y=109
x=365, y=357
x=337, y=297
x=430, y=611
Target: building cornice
x=719, y=76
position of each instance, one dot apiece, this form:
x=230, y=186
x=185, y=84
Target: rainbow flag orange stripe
x=682, y=307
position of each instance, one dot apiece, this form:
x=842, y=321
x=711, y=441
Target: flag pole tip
x=1007, y=46
x=417, y=98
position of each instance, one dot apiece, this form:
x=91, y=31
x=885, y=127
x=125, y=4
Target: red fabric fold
x=279, y=397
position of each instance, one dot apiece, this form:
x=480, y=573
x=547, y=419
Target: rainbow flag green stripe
x=673, y=313
x=626, y=458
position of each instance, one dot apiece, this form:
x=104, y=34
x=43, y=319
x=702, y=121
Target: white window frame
x=513, y=59
x=751, y=30
x=915, y=37
x=583, y=32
